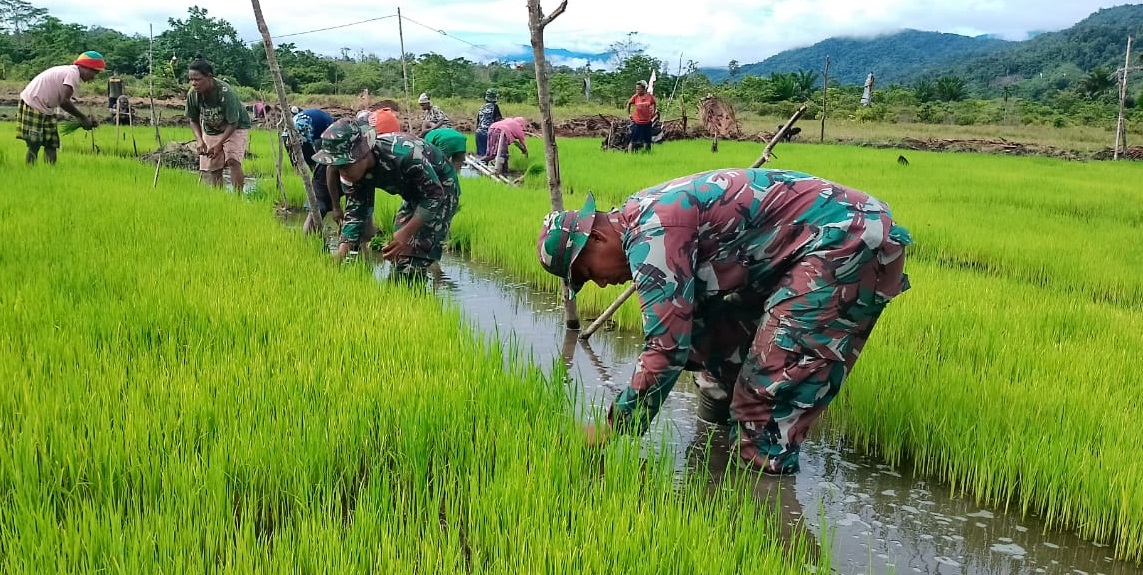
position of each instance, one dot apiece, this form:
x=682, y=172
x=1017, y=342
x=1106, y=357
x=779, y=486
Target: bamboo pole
x=295, y=140
x=1121, y=123
x=154, y=117
x=630, y=291
x=405, y=74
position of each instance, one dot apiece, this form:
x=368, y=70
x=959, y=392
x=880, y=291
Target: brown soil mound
x=991, y=146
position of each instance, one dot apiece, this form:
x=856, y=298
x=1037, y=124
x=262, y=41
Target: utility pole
x=1121, y=123
x=405, y=73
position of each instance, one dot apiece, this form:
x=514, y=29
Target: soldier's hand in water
x=396, y=246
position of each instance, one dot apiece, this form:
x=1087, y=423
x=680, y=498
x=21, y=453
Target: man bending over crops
x=220, y=124
x=767, y=281
x=51, y=89
x=310, y=124
x=452, y=143
x=402, y=165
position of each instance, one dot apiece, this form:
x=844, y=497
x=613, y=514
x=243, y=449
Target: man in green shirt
x=220, y=125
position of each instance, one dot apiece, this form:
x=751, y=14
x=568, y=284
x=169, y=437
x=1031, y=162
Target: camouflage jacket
x=409, y=167
x=697, y=238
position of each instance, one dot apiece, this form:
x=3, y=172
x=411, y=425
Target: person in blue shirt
x=310, y=124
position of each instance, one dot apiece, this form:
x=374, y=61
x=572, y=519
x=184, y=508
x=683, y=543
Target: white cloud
x=709, y=31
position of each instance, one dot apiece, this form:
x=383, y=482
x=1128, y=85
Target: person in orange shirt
x=645, y=111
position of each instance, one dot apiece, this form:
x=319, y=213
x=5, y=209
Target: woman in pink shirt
x=500, y=135
x=51, y=89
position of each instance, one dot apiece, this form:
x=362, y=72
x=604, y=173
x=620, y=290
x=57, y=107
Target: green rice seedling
x=183, y=395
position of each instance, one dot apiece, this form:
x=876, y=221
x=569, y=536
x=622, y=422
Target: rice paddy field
x=185, y=381
x=189, y=386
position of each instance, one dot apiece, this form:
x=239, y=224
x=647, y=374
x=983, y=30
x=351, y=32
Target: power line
x=443, y=33
x=336, y=27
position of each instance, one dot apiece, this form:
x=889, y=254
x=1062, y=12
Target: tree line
x=31, y=39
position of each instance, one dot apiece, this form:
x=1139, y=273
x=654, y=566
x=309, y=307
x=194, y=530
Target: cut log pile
x=1133, y=153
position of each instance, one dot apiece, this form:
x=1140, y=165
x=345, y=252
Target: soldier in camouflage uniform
x=767, y=281
x=402, y=165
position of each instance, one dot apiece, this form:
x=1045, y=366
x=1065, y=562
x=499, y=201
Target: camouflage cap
x=345, y=142
x=562, y=238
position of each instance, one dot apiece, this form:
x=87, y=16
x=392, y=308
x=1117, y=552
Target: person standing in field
x=769, y=282
x=489, y=114
x=402, y=165
x=114, y=91
x=310, y=124
x=434, y=116
x=501, y=135
x=643, y=117
x=220, y=124
x=53, y=88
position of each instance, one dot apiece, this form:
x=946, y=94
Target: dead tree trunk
x=280, y=87
x=825, y=98
x=536, y=24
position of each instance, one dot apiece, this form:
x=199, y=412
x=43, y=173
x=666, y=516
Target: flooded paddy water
x=880, y=519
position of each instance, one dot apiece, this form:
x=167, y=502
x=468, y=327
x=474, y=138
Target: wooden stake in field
x=280, y=87
x=630, y=291
x=536, y=24
x=154, y=118
x=1121, y=123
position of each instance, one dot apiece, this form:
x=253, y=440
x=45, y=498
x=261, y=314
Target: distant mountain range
x=982, y=61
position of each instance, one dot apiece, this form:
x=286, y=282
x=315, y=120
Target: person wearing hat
x=642, y=119
x=402, y=165
x=220, y=123
x=453, y=143
x=53, y=88
x=434, y=116
x=769, y=282
x=489, y=113
x=310, y=123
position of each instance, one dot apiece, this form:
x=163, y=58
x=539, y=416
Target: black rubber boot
x=713, y=401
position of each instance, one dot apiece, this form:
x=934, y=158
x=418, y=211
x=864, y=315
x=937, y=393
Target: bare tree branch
x=559, y=10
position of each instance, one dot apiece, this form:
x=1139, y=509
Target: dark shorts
x=36, y=128
x=641, y=133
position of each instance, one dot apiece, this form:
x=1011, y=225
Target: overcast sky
x=708, y=31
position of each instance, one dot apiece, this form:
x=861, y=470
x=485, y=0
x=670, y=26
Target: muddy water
x=879, y=519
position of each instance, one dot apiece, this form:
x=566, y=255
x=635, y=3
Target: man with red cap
x=53, y=88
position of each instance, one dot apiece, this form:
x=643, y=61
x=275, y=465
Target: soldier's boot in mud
x=713, y=400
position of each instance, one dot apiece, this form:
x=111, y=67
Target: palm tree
x=924, y=91
x=1097, y=83
x=804, y=82
x=950, y=89
x=784, y=86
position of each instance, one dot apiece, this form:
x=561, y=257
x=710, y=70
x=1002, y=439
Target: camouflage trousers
x=358, y=219
x=783, y=356
x=428, y=245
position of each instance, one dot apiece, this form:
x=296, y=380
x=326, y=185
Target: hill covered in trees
x=894, y=58
x=985, y=64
